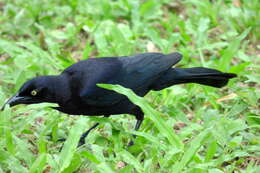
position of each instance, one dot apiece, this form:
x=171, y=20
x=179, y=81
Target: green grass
x=188, y=128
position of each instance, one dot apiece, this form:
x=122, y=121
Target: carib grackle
x=76, y=92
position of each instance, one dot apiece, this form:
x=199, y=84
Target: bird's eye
x=33, y=92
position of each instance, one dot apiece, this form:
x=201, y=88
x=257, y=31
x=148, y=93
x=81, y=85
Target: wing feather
x=135, y=72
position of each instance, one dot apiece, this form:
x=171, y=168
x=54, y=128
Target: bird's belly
x=123, y=107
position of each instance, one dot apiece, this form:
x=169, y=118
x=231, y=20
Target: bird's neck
x=59, y=89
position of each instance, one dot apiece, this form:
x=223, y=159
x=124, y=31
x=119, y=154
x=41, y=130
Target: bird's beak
x=15, y=100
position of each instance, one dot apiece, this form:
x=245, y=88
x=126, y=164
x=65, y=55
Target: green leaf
x=74, y=164
x=90, y=157
x=104, y=167
x=38, y=164
x=189, y=153
x=70, y=145
x=8, y=130
x=232, y=49
x=211, y=151
x=149, y=112
x=130, y=159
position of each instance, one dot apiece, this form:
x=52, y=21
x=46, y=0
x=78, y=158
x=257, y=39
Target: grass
x=188, y=128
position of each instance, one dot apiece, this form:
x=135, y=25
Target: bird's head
x=37, y=90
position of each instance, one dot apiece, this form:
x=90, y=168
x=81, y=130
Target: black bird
x=76, y=92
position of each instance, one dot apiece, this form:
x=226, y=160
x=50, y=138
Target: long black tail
x=200, y=75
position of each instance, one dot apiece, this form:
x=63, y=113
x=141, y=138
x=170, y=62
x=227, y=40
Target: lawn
x=187, y=128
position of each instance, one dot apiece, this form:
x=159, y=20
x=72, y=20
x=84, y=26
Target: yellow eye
x=33, y=92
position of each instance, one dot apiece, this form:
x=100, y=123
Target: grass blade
x=129, y=158
x=195, y=144
x=71, y=143
x=150, y=112
x=39, y=164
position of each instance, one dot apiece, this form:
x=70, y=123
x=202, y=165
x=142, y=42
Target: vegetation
x=188, y=128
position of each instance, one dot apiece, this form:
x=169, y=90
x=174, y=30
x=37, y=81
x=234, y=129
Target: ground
x=188, y=128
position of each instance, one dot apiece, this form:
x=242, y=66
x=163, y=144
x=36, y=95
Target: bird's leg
x=139, y=116
x=137, y=111
x=84, y=135
x=137, y=126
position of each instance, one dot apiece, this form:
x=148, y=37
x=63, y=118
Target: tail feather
x=200, y=75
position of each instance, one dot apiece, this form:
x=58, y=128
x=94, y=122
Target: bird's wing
x=135, y=72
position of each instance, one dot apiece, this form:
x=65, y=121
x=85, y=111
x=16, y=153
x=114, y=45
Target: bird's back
x=142, y=69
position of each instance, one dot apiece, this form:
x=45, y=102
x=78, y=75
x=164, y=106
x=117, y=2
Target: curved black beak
x=15, y=100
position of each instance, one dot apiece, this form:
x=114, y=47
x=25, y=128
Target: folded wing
x=135, y=72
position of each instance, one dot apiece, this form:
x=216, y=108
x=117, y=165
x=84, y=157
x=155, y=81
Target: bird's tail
x=200, y=75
